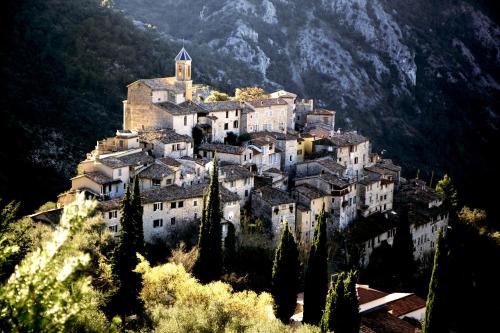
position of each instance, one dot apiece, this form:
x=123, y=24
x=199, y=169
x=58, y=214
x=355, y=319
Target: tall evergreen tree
x=285, y=277
x=137, y=211
x=208, y=264
x=436, y=315
x=126, y=299
x=353, y=318
x=229, y=247
x=405, y=266
x=333, y=306
x=448, y=193
x=316, y=279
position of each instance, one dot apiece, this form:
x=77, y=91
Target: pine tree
x=285, y=276
x=448, y=193
x=405, y=267
x=316, y=279
x=138, y=223
x=208, y=265
x=352, y=318
x=333, y=306
x=126, y=300
x=436, y=317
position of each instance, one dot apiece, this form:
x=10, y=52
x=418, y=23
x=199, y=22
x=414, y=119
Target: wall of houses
x=146, y=183
x=289, y=155
x=271, y=118
x=173, y=149
x=302, y=107
x=183, y=124
x=273, y=216
x=375, y=197
x=354, y=158
x=326, y=120
x=83, y=182
x=242, y=187
x=304, y=229
x=345, y=208
x=227, y=121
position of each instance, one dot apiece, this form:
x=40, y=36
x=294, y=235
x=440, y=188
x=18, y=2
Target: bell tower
x=183, y=73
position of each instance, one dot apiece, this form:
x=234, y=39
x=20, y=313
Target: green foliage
x=46, y=206
x=447, y=192
x=135, y=202
x=316, y=278
x=380, y=270
x=436, y=313
x=126, y=299
x=403, y=260
x=230, y=247
x=177, y=302
x=217, y=96
x=341, y=313
x=208, y=265
x=249, y=94
x=46, y=290
x=285, y=278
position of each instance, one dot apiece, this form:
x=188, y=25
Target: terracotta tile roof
x=383, y=322
x=159, y=84
x=98, y=178
x=174, y=192
x=165, y=136
x=106, y=206
x=127, y=160
x=274, y=196
x=405, y=305
x=367, y=294
x=322, y=112
x=309, y=191
x=155, y=171
x=262, y=103
x=275, y=135
x=369, y=178
x=233, y=172
x=347, y=139
x=175, y=109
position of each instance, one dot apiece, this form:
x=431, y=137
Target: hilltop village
x=280, y=159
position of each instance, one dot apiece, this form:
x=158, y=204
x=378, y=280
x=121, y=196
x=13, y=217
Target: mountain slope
x=65, y=67
x=420, y=78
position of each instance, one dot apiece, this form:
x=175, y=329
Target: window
x=246, y=193
x=270, y=146
x=173, y=205
x=231, y=184
x=172, y=221
x=195, y=216
x=180, y=204
x=227, y=114
x=340, y=159
x=113, y=228
x=236, y=113
x=195, y=203
x=245, y=157
x=113, y=214
x=158, y=223
x=119, y=172
x=179, y=70
x=290, y=158
x=299, y=152
x=355, y=160
x=173, y=147
x=235, y=124
x=121, y=143
x=185, y=120
x=291, y=209
x=169, y=181
x=158, y=206
x=156, y=182
x=226, y=126
x=178, y=146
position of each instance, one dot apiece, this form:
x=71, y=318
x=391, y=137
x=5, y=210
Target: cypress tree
x=316, y=279
x=352, y=318
x=405, y=267
x=208, y=264
x=137, y=210
x=285, y=276
x=333, y=306
x=126, y=299
x=436, y=316
x=229, y=247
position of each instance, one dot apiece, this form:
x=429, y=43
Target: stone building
x=290, y=99
x=167, y=143
x=288, y=145
x=123, y=140
x=156, y=175
x=237, y=179
x=302, y=108
x=310, y=201
x=220, y=119
x=375, y=194
x=352, y=150
x=266, y=115
x=321, y=116
x=326, y=164
x=227, y=153
x=266, y=155
x=273, y=207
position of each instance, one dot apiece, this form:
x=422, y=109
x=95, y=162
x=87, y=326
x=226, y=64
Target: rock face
x=419, y=77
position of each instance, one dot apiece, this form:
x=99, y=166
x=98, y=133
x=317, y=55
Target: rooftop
x=322, y=112
x=283, y=94
x=98, y=178
x=175, y=109
x=159, y=84
x=383, y=322
x=165, y=136
x=274, y=196
x=309, y=191
x=347, y=139
x=222, y=148
x=262, y=103
x=233, y=172
x=274, y=135
x=367, y=294
x=121, y=161
x=170, y=161
x=369, y=178
x=196, y=107
x=155, y=171
x=183, y=55
x=222, y=106
x=175, y=192
x=336, y=181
